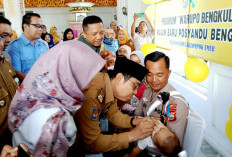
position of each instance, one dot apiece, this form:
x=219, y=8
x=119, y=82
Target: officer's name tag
x=104, y=125
x=145, y=99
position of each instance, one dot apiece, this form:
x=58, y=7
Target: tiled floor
x=208, y=151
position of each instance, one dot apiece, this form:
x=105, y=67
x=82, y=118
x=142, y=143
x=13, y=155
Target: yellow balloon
x=150, y=12
x=148, y=48
x=195, y=69
x=228, y=129
x=149, y=1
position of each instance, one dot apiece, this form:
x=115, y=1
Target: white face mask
x=110, y=68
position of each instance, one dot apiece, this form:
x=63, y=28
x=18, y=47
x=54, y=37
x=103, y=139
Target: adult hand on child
x=144, y=128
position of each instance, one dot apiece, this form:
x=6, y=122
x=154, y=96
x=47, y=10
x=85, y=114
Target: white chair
x=194, y=135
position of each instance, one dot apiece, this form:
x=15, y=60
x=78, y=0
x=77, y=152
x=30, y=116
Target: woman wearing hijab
x=68, y=35
x=41, y=112
x=109, y=41
x=56, y=37
x=44, y=31
x=124, y=50
x=49, y=39
x=123, y=39
x=138, y=57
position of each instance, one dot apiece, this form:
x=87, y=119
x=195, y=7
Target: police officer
x=102, y=97
x=174, y=116
x=8, y=87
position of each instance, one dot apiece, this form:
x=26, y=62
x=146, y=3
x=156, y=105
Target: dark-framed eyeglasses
x=136, y=86
x=38, y=26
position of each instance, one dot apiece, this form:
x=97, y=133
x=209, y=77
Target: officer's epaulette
x=101, y=95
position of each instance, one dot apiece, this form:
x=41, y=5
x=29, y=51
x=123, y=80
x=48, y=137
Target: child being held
x=162, y=138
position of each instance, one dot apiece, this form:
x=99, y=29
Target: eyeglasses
x=38, y=26
x=136, y=86
x=6, y=35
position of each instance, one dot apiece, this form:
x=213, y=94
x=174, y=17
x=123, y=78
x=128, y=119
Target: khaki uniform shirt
x=7, y=90
x=176, y=122
x=99, y=97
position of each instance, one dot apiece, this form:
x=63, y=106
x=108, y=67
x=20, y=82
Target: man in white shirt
x=142, y=37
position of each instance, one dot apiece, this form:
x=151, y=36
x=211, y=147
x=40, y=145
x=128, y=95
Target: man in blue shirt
x=25, y=50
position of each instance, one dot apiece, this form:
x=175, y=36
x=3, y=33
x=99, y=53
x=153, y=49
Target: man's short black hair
x=27, y=18
x=128, y=68
x=155, y=56
x=4, y=20
x=90, y=20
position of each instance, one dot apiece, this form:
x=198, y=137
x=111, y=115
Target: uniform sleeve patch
x=95, y=114
x=171, y=112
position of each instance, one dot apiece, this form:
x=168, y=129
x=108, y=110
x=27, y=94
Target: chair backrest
x=194, y=133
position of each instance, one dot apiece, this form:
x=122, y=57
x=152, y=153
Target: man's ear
x=118, y=77
x=84, y=34
x=169, y=72
x=25, y=25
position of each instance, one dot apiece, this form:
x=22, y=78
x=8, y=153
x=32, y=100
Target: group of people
x=57, y=101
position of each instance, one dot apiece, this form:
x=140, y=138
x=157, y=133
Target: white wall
x=59, y=16
x=106, y=14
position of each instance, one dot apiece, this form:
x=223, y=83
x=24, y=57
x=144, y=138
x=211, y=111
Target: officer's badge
x=145, y=99
x=95, y=114
x=171, y=112
x=2, y=103
x=131, y=43
x=100, y=95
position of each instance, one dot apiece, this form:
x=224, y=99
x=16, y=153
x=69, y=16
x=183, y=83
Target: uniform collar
x=27, y=42
x=101, y=84
x=109, y=92
x=82, y=39
x=165, y=89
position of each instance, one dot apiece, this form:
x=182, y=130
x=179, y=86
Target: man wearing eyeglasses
x=101, y=98
x=8, y=86
x=6, y=33
x=25, y=50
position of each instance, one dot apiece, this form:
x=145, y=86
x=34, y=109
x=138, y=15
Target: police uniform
x=7, y=90
x=175, y=116
x=100, y=98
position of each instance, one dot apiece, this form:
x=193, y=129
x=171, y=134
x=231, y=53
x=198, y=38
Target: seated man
x=101, y=98
x=174, y=114
x=162, y=138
